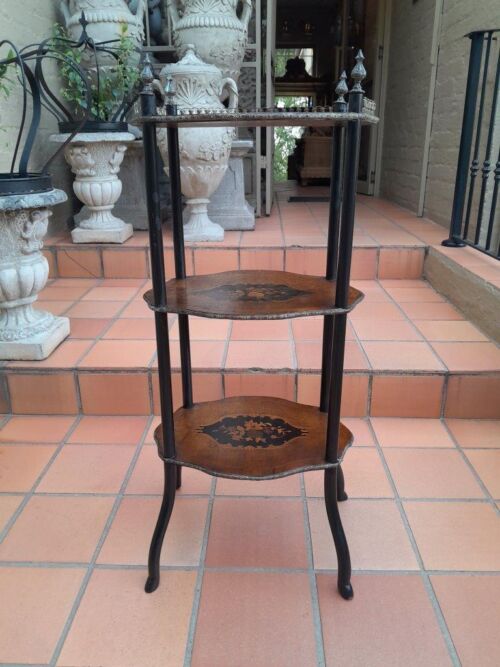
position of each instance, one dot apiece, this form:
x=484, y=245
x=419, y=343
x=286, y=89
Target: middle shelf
x=247, y=295
x=252, y=437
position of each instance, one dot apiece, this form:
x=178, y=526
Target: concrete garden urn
x=105, y=20
x=26, y=333
x=204, y=152
x=95, y=159
x=214, y=27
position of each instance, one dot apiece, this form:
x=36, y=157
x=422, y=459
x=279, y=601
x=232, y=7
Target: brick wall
x=406, y=103
x=459, y=17
x=26, y=22
x=409, y=74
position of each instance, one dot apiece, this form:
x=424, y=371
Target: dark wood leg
x=179, y=477
x=341, y=547
x=167, y=505
x=341, y=494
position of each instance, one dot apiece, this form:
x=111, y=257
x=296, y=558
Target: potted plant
x=26, y=200
x=96, y=152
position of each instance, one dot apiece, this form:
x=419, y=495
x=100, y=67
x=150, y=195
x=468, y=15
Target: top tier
x=263, y=118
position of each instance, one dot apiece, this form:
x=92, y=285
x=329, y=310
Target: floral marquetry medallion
x=251, y=437
x=256, y=292
x=252, y=431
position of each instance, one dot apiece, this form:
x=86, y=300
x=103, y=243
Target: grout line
x=10, y=523
x=472, y=469
x=445, y=632
x=223, y=497
x=316, y=612
x=293, y=347
x=104, y=535
x=225, y=351
x=49, y=565
x=199, y=579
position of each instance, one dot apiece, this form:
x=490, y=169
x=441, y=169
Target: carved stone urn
x=26, y=333
x=95, y=159
x=214, y=27
x=204, y=152
x=105, y=20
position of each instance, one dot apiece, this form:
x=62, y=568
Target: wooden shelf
x=252, y=295
x=252, y=437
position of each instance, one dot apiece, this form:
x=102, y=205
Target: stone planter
x=214, y=27
x=105, y=20
x=26, y=333
x=95, y=159
x=204, y=152
x=228, y=206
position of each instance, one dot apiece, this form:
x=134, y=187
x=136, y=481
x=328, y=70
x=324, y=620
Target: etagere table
x=254, y=437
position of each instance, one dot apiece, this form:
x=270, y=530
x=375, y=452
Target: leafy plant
x=111, y=86
x=5, y=81
x=285, y=139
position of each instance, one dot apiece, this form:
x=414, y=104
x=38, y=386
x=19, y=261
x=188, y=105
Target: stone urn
x=105, y=20
x=214, y=27
x=204, y=152
x=95, y=159
x=26, y=333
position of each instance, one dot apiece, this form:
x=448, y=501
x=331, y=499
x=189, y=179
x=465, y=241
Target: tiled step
x=389, y=242
x=409, y=354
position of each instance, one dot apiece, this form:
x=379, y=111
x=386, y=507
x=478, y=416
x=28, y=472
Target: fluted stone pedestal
x=95, y=159
x=228, y=206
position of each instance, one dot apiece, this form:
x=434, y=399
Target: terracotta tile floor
x=248, y=568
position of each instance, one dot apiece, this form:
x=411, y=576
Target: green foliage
x=116, y=82
x=5, y=81
x=285, y=139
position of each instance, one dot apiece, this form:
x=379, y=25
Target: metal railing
x=475, y=217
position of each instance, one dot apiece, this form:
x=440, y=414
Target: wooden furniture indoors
x=253, y=437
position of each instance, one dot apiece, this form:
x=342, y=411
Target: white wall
x=26, y=22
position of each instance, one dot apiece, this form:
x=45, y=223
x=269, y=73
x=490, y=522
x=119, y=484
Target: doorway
x=325, y=35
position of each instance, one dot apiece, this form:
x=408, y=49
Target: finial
x=170, y=89
x=147, y=73
x=358, y=73
x=84, y=38
x=83, y=21
x=342, y=88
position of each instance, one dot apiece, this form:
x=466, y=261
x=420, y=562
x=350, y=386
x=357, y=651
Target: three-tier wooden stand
x=254, y=437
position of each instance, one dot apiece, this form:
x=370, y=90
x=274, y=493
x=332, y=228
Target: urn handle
x=137, y=7
x=230, y=84
x=64, y=7
x=173, y=12
x=246, y=13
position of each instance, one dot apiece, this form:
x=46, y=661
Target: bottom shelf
x=252, y=437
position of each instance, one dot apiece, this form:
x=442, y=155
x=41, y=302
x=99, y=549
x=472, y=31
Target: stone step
x=389, y=243
x=409, y=354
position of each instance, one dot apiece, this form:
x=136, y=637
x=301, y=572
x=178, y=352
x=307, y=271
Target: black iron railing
x=475, y=217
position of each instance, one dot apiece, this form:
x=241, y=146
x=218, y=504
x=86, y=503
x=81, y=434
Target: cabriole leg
x=341, y=494
x=167, y=506
x=343, y=557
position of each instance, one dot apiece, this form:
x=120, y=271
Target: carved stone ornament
x=26, y=333
x=204, y=152
x=219, y=34
x=105, y=19
x=95, y=159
